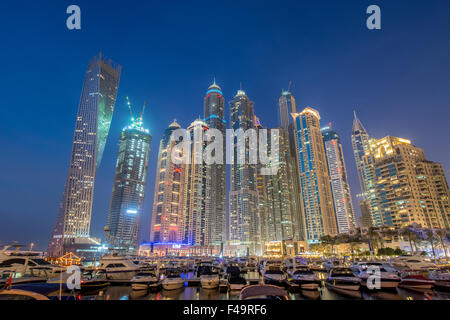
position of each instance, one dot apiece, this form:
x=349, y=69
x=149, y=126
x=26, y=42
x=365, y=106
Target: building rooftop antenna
x=142, y=112
x=129, y=107
x=289, y=87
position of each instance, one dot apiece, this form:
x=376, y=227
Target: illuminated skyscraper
x=360, y=143
x=168, y=211
x=95, y=111
x=197, y=192
x=243, y=218
x=287, y=106
x=317, y=200
x=127, y=197
x=278, y=213
x=214, y=114
x=407, y=187
x=339, y=182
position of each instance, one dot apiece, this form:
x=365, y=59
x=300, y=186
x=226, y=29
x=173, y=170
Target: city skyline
x=46, y=170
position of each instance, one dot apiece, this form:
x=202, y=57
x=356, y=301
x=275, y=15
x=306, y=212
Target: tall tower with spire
x=243, y=219
x=168, y=214
x=214, y=117
x=287, y=106
x=360, y=143
x=128, y=192
x=95, y=110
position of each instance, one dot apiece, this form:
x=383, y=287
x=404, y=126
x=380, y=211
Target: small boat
x=263, y=292
x=331, y=263
x=304, y=277
x=17, y=294
x=388, y=278
x=441, y=278
x=119, y=268
x=172, y=280
x=209, y=278
x=236, y=282
x=416, y=281
x=342, y=279
x=144, y=280
x=274, y=276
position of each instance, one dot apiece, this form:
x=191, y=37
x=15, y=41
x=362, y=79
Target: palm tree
x=430, y=236
x=411, y=236
x=329, y=240
x=441, y=233
x=373, y=239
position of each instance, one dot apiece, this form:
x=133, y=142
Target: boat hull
x=172, y=285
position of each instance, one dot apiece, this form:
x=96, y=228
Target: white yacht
x=441, y=278
x=209, y=278
x=413, y=263
x=342, y=279
x=274, y=275
x=144, y=280
x=172, y=280
x=305, y=278
x=25, y=267
x=119, y=268
x=389, y=279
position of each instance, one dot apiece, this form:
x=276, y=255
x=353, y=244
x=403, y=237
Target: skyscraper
x=197, y=192
x=407, y=187
x=287, y=106
x=214, y=117
x=128, y=192
x=168, y=211
x=279, y=216
x=95, y=111
x=317, y=200
x=360, y=143
x=340, y=188
x=243, y=218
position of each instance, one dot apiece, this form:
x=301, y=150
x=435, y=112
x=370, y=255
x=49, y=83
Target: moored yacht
x=263, y=292
x=209, y=279
x=235, y=280
x=343, y=279
x=388, y=279
x=416, y=281
x=414, y=263
x=273, y=275
x=172, y=280
x=118, y=268
x=144, y=280
x=441, y=278
x=304, y=277
x=25, y=267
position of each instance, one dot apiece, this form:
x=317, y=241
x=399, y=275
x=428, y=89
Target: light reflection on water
x=198, y=293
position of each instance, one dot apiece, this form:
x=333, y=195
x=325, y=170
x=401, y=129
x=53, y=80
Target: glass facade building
x=342, y=199
x=316, y=195
x=128, y=192
x=95, y=110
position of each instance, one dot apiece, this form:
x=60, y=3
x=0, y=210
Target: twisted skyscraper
x=94, y=116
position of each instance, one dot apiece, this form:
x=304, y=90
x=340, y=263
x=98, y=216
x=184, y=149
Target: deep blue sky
x=397, y=79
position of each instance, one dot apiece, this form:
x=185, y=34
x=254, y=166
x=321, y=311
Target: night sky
x=397, y=79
